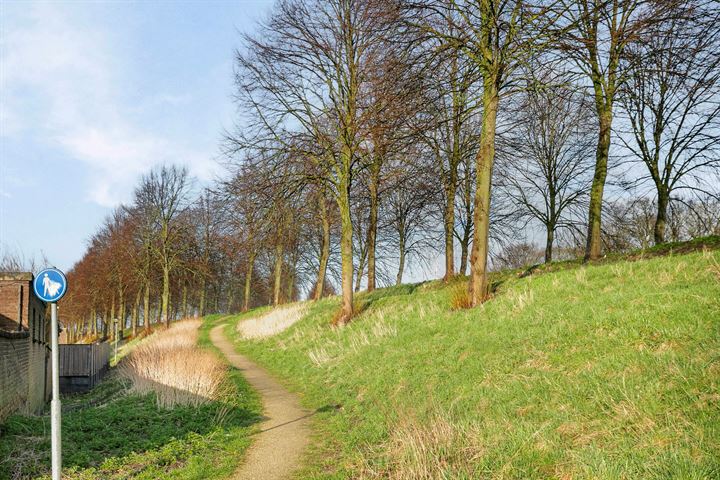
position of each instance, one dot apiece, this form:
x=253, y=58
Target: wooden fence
x=82, y=366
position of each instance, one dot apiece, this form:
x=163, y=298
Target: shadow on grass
x=711, y=242
x=365, y=300
x=109, y=422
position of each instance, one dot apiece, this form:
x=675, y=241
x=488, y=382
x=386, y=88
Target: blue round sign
x=50, y=285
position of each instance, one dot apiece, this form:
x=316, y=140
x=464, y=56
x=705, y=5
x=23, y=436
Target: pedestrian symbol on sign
x=50, y=288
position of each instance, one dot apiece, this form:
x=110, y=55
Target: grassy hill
x=609, y=371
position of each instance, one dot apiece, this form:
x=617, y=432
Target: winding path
x=276, y=451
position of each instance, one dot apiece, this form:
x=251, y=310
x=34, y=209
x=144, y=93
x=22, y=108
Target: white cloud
x=63, y=83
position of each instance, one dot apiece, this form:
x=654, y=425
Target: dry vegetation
x=170, y=364
x=273, y=322
x=435, y=449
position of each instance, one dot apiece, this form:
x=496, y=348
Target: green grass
x=111, y=434
x=610, y=371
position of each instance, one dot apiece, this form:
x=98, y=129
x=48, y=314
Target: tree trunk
x=478, y=285
x=185, y=301
x=361, y=270
x=464, y=250
x=290, y=286
x=454, y=161
x=230, y=299
x=594, y=239
x=201, y=308
x=136, y=312
x=278, y=268
x=112, y=318
x=121, y=310
x=146, y=307
x=166, y=296
x=372, y=224
x=248, y=281
x=401, y=265
x=324, y=250
x=660, y=220
x=449, y=227
x=467, y=229
x=346, y=250
x=549, y=242
x=105, y=320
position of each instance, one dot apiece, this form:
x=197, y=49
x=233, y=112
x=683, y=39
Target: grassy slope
x=604, y=371
x=110, y=434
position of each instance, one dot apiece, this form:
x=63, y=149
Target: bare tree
x=303, y=74
x=543, y=158
x=629, y=224
x=450, y=131
x=672, y=103
x=248, y=221
x=325, y=218
x=517, y=255
x=209, y=216
x=498, y=38
x=15, y=261
x=163, y=195
x=596, y=37
x=410, y=200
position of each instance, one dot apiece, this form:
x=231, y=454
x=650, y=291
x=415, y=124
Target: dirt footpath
x=276, y=450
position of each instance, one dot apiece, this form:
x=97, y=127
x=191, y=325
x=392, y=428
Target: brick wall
x=10, y=296
x=24, y=352
x=14, y=362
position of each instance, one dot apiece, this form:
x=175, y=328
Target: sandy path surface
x=275, y=452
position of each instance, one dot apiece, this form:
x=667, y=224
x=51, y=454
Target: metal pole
x=55, y=403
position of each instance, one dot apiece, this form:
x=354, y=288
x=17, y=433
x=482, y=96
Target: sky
x=93, y=94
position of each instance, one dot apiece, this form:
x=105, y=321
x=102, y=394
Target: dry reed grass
x=273, y=322
x=460, y=297
x=171, y=364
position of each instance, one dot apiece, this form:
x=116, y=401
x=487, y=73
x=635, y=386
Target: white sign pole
x=55, y=403
x=49, y=286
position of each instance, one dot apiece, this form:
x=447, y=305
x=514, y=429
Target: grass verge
x=603, y=371
x=111, y=433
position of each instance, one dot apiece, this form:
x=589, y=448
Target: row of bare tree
x=373, y=133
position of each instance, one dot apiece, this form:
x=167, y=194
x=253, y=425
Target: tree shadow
x=365, y=300
x=325, y=409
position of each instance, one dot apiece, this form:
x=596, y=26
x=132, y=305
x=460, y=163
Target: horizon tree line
x=375, y=135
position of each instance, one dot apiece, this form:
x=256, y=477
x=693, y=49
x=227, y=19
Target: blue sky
x=93, y=94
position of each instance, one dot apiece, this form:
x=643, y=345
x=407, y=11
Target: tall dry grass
x=170, y=363
x=435, y=449
x=273, y=322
